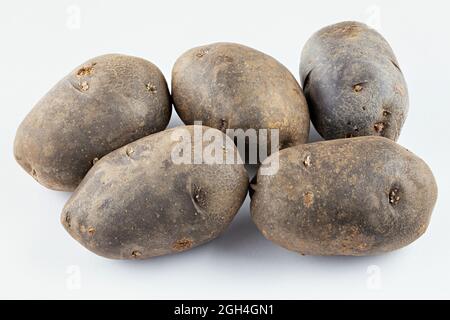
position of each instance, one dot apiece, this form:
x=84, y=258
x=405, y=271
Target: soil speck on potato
x=67, y=219
x=351, y=30
x=91, y=231
x=182, y=244
x=201, y=53
x=307, y=161
x=378, y=127
x=308, y=199
x=136, y=254
x=129, y=152
x=84, y=86
x=151, y=88
x=86, y=71
x=357, y=87
x=394, y=197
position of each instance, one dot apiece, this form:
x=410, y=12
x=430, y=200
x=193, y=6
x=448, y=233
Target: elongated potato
x=138, y=202
x=357, y=196
x=231, y=86
x=353, y=83
x=102, y=105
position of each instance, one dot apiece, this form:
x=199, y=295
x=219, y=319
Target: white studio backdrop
x=41, y=41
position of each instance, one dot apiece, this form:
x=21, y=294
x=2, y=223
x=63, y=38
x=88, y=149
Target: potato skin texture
x=357, y=196
x=103, y=104
x=231, y=86
x=353, y=83
x=136, y=203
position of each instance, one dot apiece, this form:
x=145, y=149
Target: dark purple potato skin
x=100, y=106
x=353, y=83
x=357, y=196
x=231, y=86
x=136, y=203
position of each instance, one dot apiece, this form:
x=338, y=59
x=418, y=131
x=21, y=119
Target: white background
x=41, y=41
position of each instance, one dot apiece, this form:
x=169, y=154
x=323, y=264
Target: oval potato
x=100, y=106
x=358, y=196
x=353, y=83
x=231, y=86
x=137, y=202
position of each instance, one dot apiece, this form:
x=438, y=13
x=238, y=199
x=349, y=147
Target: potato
x=231, y=86
x=102, y=105
x=353, y=83
x=358, y=196
x=137, y=202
